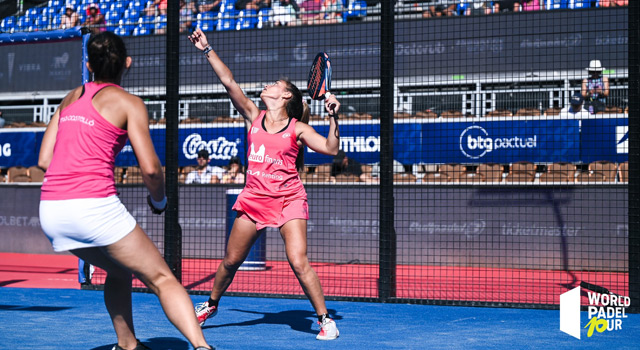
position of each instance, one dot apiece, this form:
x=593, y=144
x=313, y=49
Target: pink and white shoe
x=204, y=311
x=328, y=330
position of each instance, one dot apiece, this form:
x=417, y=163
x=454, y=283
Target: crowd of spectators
x=151, y=15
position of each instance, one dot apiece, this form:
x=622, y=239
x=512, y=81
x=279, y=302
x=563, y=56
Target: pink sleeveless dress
x=274, y=193
x=84, y=153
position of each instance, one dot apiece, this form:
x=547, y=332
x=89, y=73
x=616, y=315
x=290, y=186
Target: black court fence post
x=387, y=243
x=634, y=156
x=173, y=232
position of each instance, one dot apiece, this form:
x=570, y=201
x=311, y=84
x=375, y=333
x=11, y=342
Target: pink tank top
x=272, y=160
x=84, y=153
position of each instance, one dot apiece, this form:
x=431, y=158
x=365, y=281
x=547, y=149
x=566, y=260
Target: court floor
x=46, y=310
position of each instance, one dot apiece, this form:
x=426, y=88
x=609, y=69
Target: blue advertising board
x=543, y=141
x=465, y=142
x=604, y=139
x=18, y=148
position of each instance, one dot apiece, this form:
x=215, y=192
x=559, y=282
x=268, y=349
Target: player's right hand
x=199, y=39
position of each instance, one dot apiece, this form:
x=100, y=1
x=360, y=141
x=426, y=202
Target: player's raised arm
x=240, y=101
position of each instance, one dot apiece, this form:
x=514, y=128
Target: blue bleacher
x=138, y=5
x=160, y=22
x=7, y=24
x=248, y=19
x=56, y=4
x=357, y=9
x=140, y=30
x=206, y=21
x=118, y=6
x=42, y=22
x=131, y=14
x=22, y=23
x=228, y=5
x=227, y=19
x=263, y=17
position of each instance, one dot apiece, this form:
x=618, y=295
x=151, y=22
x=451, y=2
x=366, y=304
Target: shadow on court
x=297, y=320
x=166, y=343
x=32, y=308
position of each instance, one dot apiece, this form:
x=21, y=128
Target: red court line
x=350, y=280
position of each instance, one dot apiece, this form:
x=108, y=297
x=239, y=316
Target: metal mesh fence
x=488, y=148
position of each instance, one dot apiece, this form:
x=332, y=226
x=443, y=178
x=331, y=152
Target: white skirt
x=83, y=223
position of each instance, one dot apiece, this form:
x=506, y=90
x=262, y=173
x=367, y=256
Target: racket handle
x=326, y=96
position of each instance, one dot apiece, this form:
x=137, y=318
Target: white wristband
x=159, y=205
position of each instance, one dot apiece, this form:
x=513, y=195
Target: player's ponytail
x=107, y=57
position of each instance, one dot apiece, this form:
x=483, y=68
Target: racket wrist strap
x=206, y=50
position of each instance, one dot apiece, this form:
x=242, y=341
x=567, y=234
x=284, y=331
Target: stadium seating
x=247, y=19
x=623, y=172
x=490, y=172
x=559, y=172
x=133, y=175
x=18, y=174
x=36, y=174
x=522, y=171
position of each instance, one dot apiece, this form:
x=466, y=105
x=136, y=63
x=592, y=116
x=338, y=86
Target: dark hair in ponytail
x=107, y=56
x=294, y=107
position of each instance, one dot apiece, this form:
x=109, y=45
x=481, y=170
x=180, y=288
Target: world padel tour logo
x=605, y=312
x=475, y=142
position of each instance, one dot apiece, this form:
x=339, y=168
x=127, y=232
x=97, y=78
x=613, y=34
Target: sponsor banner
x=222, y=144
x=605, y=139
x=538, y=141
x=24, y=68
x=18, y=148
x=543, y=141
x=454, y=225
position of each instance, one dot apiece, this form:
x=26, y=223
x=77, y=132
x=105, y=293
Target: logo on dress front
x=257, y=157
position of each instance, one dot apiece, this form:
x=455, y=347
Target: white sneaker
x=328, y=330
x=204, y=311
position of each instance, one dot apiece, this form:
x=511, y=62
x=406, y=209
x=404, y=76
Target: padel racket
x=319, y=82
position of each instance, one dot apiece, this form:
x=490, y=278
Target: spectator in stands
x=285, y=13
x=310, y=12
x=332, y=11
x=532, y=5
x=595, y=88
x=507, y=6
x=1, y=120
x=348, y=166
x=440, y=8
x=209, y=5
x=69, y=18
x=234, y=174
x=575, y=110
x=252, y=4
x=158, y=7
x=95, y=19
x=613, y=3
x=204, y=173
x=479, y=7
x=187, y=13
x=398, y=168
x=80, y=210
